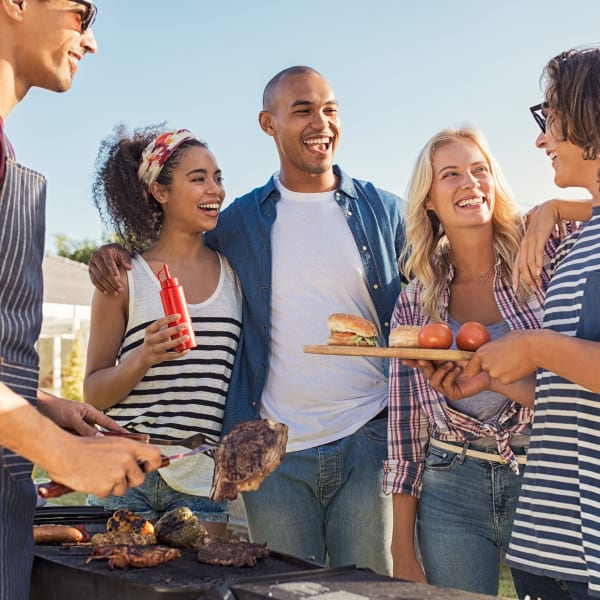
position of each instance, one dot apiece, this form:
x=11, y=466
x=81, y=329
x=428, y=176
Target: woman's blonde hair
x=427, y=253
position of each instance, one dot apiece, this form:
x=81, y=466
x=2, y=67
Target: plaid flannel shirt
x=417, y=412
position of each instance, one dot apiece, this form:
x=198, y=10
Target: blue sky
x=401, y=71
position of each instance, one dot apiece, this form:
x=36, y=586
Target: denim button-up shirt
x=243, y=235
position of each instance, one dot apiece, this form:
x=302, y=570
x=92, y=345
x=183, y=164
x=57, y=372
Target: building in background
x=66, y=318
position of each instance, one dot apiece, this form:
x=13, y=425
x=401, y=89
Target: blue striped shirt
x=557, y=527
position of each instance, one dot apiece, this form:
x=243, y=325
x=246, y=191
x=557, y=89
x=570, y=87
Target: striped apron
x=22, y=229
x=22, y=217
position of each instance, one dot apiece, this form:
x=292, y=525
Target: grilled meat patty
x=230, y=552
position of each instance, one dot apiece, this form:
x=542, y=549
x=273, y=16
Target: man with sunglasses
x=41, y=44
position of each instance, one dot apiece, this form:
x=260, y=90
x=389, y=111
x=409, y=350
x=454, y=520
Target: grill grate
x=61, y=573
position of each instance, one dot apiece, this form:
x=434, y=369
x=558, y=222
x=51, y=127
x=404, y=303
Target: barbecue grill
x=61, y=573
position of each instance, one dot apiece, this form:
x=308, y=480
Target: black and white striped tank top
x=176, y=398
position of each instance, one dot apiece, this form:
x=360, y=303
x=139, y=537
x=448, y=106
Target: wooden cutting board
x=408, y=353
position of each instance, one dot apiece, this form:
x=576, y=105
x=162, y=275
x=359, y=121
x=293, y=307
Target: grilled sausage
x=59, y=534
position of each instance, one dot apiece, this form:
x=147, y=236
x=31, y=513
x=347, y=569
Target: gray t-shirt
x=485, y=406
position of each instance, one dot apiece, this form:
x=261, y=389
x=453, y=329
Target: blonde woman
x=455, y=463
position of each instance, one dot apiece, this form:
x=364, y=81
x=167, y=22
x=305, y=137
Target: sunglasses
x=89, y=16
x=538, y=114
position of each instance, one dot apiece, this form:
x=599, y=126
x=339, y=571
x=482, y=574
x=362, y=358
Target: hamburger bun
x=404, y=336
x=351, y=330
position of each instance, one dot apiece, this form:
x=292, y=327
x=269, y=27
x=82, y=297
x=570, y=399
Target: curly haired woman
x=161, y=190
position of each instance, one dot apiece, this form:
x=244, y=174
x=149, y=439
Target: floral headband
x=157, y=153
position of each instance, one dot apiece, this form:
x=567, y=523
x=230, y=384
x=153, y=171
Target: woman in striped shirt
x=161, y=191
x=455, y=463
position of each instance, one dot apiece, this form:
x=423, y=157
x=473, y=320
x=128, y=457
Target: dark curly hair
x=120, y=197
x=573, y=91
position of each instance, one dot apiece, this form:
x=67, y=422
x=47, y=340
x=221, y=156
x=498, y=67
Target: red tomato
x=435, y=335
x=472, y=335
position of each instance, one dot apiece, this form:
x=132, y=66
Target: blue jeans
x=326, y=503
x=465, y=517
x=155, y=497
x=548, y=588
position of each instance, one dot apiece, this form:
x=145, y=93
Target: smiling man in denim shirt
x=311, y=242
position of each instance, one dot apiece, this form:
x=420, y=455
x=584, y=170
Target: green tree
x=79, y=250
x=72, y=373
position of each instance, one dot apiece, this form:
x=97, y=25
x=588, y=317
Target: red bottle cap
x=168, y=281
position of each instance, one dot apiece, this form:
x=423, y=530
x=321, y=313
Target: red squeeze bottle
x=173, y=301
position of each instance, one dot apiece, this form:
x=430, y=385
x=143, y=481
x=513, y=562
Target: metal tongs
x=197, y=443
x=191, y=442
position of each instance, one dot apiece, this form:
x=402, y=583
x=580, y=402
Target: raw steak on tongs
x=245, y=456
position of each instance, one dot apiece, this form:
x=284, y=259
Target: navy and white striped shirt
x=557, y=527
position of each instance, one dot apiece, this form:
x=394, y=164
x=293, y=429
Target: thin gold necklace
x=481, y=277
x=485, y=275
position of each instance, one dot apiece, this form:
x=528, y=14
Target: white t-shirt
x=317, y=270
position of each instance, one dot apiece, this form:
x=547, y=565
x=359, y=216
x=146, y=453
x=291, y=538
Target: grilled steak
x=230, y=552
x=245, y=456
x=122, y=556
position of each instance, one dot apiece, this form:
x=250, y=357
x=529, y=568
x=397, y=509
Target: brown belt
x=492, y=457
